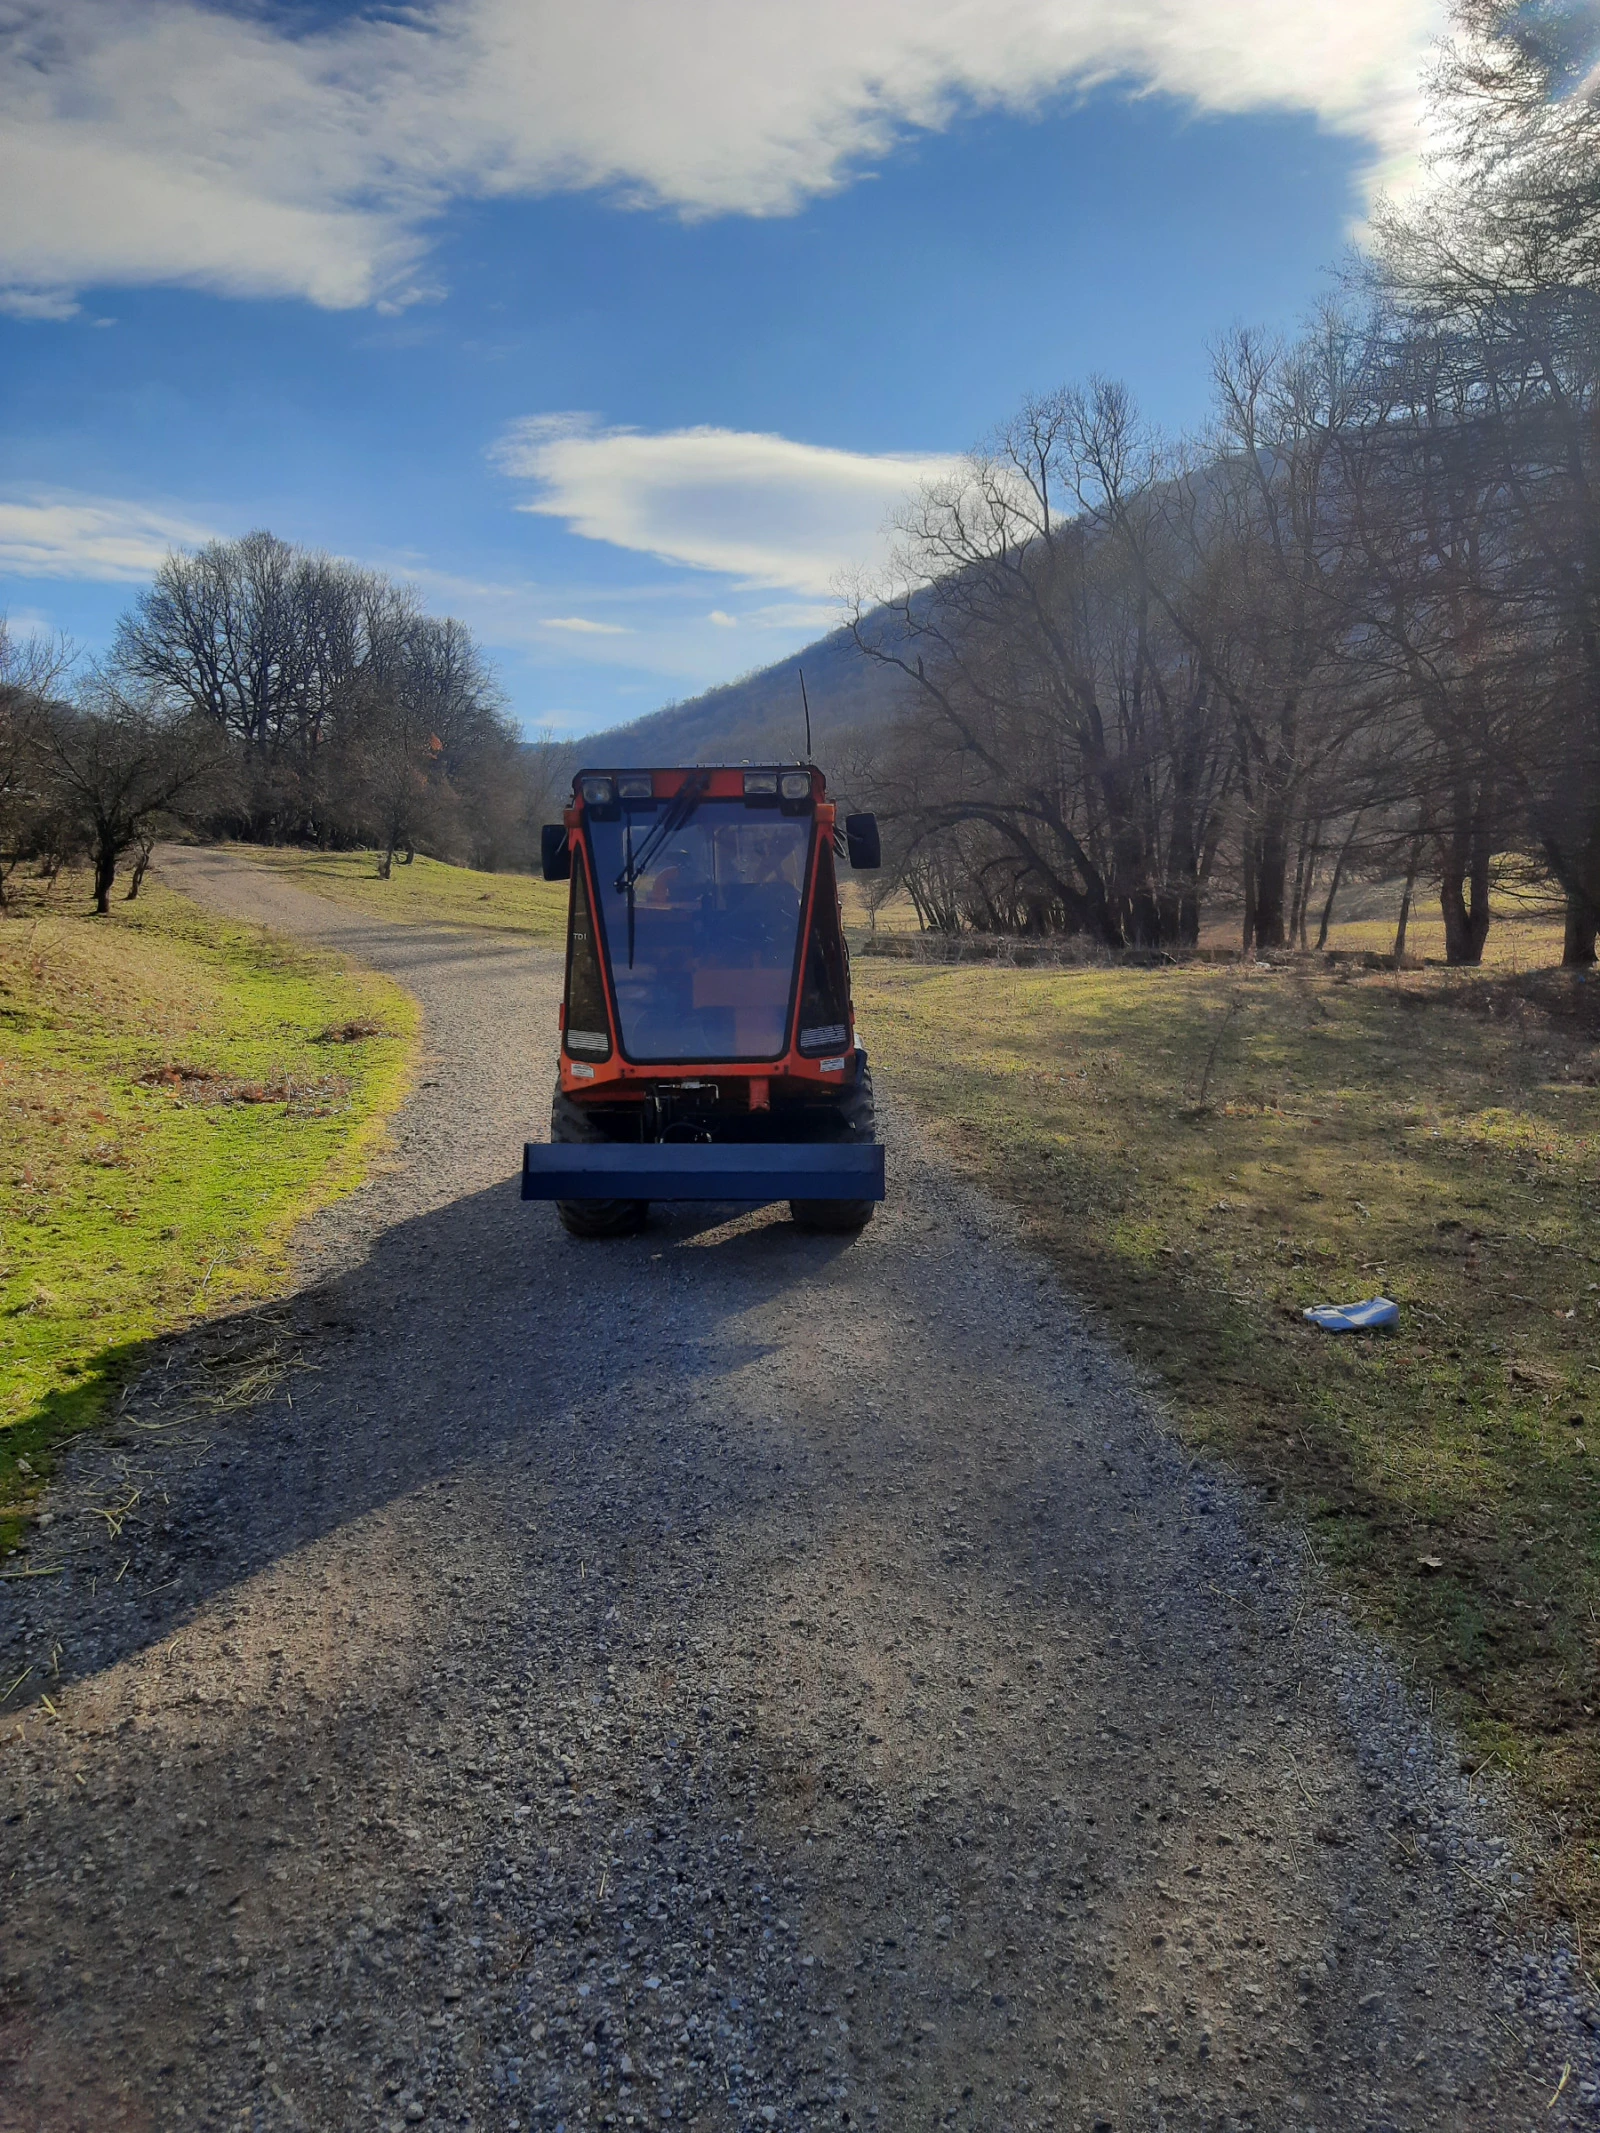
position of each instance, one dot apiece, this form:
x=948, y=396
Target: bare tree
x=1051, y=705
x=1422, y=493
x=1501, y=261
x=31, y=670
x=120, y=769
x=1269, y=599
x=350, y=713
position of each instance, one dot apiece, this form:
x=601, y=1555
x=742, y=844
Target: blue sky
x=626, y=365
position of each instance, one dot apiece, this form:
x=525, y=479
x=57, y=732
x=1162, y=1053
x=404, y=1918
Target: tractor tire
x=857, y=1121
x=569, y=1123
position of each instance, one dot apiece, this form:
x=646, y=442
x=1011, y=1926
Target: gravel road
x=723, y=1678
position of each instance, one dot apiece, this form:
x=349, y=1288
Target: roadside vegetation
x=1206, y=1150
x=176, y=1092
x=426, y=892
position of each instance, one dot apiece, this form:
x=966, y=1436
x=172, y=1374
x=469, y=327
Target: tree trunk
x=1327, y=908
x=1271, y=885
x=1248, y=855
x=136, y=881
x=1583, y=928
x=1181, y=905
x=105, y=873
x=1092, y=908
x=1144, y=929
x=1333, y=886
x=1412, y=864
x=1464, y=900
x=1304, y=869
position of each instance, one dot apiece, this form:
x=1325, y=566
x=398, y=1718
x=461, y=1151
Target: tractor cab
x=707, y=1036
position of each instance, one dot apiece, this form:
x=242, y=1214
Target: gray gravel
x=723, y=1678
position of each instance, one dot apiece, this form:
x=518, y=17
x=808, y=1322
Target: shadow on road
x=649, y=1621
x=462, y=1329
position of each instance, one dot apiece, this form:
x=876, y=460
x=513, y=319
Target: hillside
x=761, y=715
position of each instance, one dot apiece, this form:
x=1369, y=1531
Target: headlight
x=597, y=792
x=636, y=788
x=795, y=784
x=761, y=784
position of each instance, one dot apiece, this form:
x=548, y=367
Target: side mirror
x=862, y=842
x=554, y=852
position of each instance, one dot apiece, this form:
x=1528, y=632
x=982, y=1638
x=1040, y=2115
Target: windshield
x=715, y=924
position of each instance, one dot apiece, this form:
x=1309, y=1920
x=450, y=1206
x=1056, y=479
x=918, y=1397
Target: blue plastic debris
x=1354, y=1318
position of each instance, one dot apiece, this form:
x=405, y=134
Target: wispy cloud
x=763, y=510
x=653, y=626
x=581, y=626
x=52, y=304
x=108, y=540
x=200, y=142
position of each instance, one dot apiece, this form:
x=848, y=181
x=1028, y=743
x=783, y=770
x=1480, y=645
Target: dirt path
x=725, y=1678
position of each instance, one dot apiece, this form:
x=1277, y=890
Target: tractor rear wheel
x=569, y=1124
x=856, y=1121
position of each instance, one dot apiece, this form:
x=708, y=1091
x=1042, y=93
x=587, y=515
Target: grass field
x=1206, y=1151
x=176, y=1091
x=1517, y=941
x=427, y=892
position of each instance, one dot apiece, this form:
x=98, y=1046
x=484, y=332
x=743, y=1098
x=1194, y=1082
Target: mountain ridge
x=760, y=716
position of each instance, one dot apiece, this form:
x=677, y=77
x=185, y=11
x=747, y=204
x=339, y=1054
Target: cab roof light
x=793, y=785
x=638, y=786
x=761, y=784
x=597, y=792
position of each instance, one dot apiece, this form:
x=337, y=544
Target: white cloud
x=181, y=141
x=105, y=539
x=581, y=626
x=722, y=621
x=37, y=304
x=654, y=625
x=760, y=509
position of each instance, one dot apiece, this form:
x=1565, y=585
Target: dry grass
x=1206, y=1151
x=427, y=893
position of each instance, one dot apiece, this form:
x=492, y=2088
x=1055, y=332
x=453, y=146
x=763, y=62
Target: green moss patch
x=176, y=1092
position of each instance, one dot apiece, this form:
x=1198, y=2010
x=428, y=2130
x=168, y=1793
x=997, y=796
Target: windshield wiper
x=687, y=798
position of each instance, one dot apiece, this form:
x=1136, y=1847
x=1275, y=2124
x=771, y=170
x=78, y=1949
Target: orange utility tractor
x=707, y=1038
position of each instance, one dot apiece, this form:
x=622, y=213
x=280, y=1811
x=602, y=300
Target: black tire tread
x=571, y=1125
x=857, y=1122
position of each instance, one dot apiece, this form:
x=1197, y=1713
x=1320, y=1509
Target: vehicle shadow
x=265, y=1429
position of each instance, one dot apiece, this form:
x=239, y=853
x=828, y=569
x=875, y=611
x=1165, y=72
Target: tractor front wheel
x=570, y=1124
x=602, y=1218
x=857, y=1120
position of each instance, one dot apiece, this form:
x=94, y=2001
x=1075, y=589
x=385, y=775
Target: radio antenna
x=807, y=703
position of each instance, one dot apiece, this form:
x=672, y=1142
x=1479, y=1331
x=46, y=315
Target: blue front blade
x=784, y=1170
